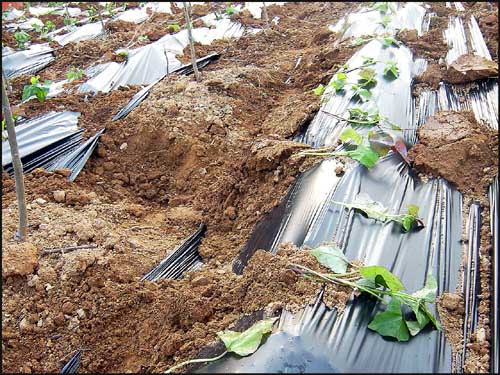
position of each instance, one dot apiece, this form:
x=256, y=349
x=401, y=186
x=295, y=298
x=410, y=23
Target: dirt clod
x=469, y=68
x=19, y=259
x=455, y=146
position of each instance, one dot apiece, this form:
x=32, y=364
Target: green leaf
x=383, y=277
x=415, y=326
x=391, y=322
x=368, y=282
x=358, y=41
x=412, y=209
x=365, y=155
x=174, y=28
x=407, y=222
x=363, y=94
x=385, y=21
x=369, y=61
x=428, y=292
x=382, y=7
x=338, y=81
x=367, y=75
x=331, y=257
x=416, y=306
x=319, y=90
x=230, y=10
x=395, y=127
x=246, y=342
x=388, y=41
x=341, y=76
x=357, y=114
x=34, y=80
x=380, y=142
x=431, y=317
x=391, y=69
x=351, y=134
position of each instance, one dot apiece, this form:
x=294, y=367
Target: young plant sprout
x=366, y=80
x=378, y=282
x=45, y=29
x=74, y=74
x=386, y=39
x=36, y=88
x=92, y=13
x=383, y=7
x=230, y=10
x=242, y=343
x=174, y=28
x=385, y=21
x=21, y=37
x=389, y=41
x=375, y=210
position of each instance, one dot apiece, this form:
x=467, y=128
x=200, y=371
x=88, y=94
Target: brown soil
x=217, y=152
x=92, y=298
x=429, y=79
x=469, y=68
x=455, y=146
x=430, y=45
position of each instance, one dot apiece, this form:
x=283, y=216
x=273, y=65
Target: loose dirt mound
x=455, y=146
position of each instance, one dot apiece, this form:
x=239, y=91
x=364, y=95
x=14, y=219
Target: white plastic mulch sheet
x=147, y=64
x=88, y=31
x=27, y=61
x=136, y=15
x=366, y=21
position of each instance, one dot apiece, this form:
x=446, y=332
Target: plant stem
x=100, y=18
x=195, y=361
x=265, y=16
x=187, y=10
x=349, y=120
x=7, y=83
x=359, y=67
x=18, y=166
x=343, y=282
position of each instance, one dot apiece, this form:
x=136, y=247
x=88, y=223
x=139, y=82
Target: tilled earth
x=216, y=151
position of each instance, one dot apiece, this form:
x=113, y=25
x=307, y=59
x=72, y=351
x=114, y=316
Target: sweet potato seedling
x=45, y=29
x=21, y=37
x=375, y=210
x=40, y=90
x=241, y=343
x=378, y=282
x=74, y=74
